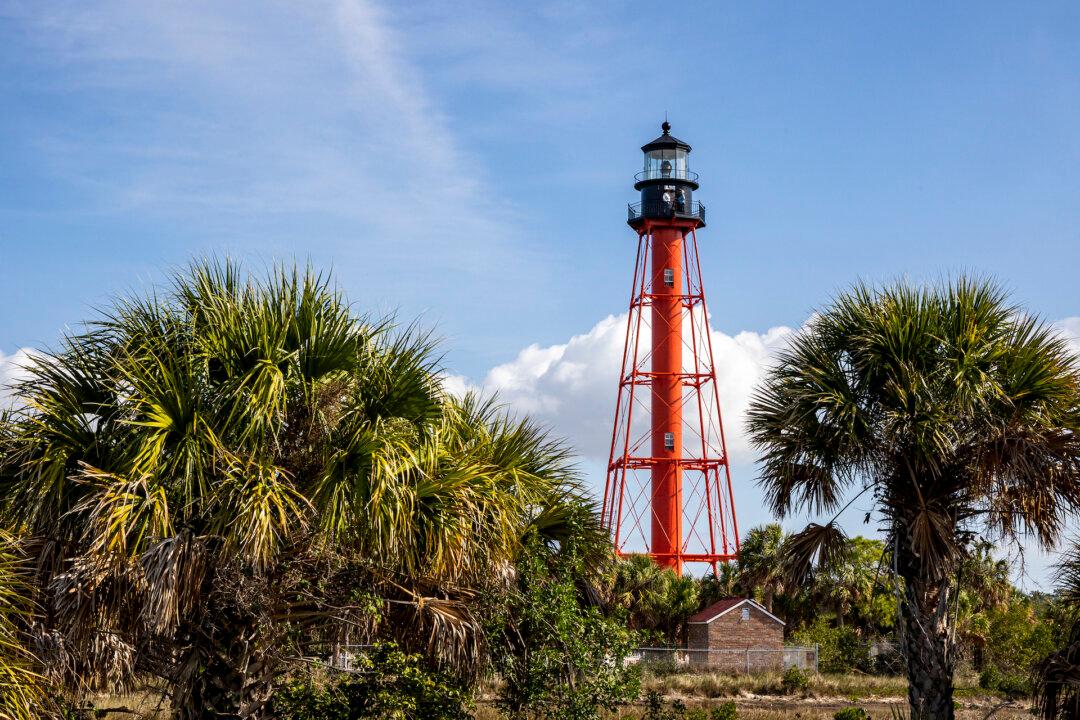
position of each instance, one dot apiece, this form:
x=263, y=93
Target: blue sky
x=469, y=163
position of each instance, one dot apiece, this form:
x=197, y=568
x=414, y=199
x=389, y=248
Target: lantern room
x=666, y=182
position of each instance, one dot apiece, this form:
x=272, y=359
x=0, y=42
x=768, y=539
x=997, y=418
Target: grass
x=684, y=685
x=758, y=697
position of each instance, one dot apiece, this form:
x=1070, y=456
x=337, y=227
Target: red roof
x=715, y=609
x=719, y=608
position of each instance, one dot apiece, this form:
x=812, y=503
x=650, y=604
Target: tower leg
x=672, y=475
x=667, y=367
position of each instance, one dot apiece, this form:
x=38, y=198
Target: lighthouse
x=668, y=490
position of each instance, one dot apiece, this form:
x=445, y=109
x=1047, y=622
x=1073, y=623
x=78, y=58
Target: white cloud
x=11, y=372
x=571, y=387
x=1070, y=330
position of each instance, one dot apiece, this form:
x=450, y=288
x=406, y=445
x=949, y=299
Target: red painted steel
x=666, y=375
x=668, y=465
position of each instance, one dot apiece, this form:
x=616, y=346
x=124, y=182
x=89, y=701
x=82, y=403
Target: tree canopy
x=959, y=415
x=234, y=471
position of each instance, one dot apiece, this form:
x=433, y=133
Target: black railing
x=662, y=209
x=672, y=174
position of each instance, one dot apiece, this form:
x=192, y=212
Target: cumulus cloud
x=12, y=370
x=1070, y=330
x=571, y=386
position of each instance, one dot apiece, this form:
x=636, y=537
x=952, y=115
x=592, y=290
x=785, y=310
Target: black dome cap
x=667, y=140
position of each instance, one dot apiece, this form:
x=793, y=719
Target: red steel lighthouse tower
x=668, y=491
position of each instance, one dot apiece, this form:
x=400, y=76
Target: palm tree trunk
x=926, y=641
x=236, y=682
x=230, y=668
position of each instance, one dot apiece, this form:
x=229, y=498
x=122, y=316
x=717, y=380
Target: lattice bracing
x=668, y=492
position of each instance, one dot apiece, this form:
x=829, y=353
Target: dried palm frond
x=810, y=549
x=23, y=690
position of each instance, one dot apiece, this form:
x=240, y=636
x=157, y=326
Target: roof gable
x=723, y=607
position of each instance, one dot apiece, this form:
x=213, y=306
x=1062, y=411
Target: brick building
x=736, y=635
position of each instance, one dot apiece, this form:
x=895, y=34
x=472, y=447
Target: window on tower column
x=669, y=277
x=669, y=441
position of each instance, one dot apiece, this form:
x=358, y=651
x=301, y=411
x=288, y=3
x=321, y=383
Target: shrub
x=655, y=710
x=851, y=713
x=654, y=706
x=663, y=668
x=1017, y=637
x=1011, y=684
x=391, y=684
x=1014, y=686
x=794, y=681
x=840, y=650
x=559, y=657
x=989, y=678
x=725, y=711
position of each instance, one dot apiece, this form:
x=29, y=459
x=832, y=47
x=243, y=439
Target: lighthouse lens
x=666, y=163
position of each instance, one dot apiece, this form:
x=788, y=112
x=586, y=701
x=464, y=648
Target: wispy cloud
x=254, y=122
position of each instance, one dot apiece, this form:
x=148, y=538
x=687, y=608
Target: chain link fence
x=737, y=661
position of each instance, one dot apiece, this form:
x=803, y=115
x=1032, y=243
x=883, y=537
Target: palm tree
x=985, y=577
x=984, y=587
x=760, y=562
x=956, y=412
x=22, y=689
x=234, y=472
x=1056, y=679
x=717, y=586
x=653, y=597
x=850, y=580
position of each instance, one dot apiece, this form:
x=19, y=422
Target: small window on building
x=746, y=614
x=669, y=277
x=669, y=441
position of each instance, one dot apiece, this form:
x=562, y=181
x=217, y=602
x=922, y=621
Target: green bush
x=725, y=711
x=794, y=681
x=655, y=710
x=1014, y=686
x=1011, y=684
x=1017, y=638
x=989, y=678
x=654, y=706
x=851, y=713
x=390, y=683
x=559, y=656
x=664, y=668
x=840, y=650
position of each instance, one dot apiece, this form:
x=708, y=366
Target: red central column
x=667, y=426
